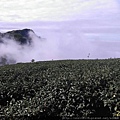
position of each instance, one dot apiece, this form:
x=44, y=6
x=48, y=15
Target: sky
x=72, y=28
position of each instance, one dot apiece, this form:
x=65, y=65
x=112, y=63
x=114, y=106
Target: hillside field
x=61, y=88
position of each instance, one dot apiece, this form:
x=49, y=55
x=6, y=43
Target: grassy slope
x=61, y=88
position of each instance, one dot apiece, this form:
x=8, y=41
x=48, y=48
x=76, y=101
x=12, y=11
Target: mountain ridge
x=23, y=37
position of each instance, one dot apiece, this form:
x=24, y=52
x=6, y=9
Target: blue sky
x=72, y=28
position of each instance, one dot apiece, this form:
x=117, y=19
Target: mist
x=65, y=40
x=12, y=50
x=61, y=43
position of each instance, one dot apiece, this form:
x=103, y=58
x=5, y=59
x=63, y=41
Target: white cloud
x=66, y=40
x=28, y=10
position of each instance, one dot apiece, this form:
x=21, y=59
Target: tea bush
x=72, y=88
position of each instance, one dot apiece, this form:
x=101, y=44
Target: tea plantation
x=66, y=88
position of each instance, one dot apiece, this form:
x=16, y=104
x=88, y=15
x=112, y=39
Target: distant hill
x=22, y=37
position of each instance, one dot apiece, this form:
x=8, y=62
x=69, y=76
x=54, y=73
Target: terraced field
x=66, y=88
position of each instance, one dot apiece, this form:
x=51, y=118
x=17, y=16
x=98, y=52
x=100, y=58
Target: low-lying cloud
x=66, y=40
x=39, y=49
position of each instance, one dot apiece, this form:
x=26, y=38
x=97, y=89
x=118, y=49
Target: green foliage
x=33, y=60
x=17, y=36
x=74, y=88
x=3, y=60
x=20, y=36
